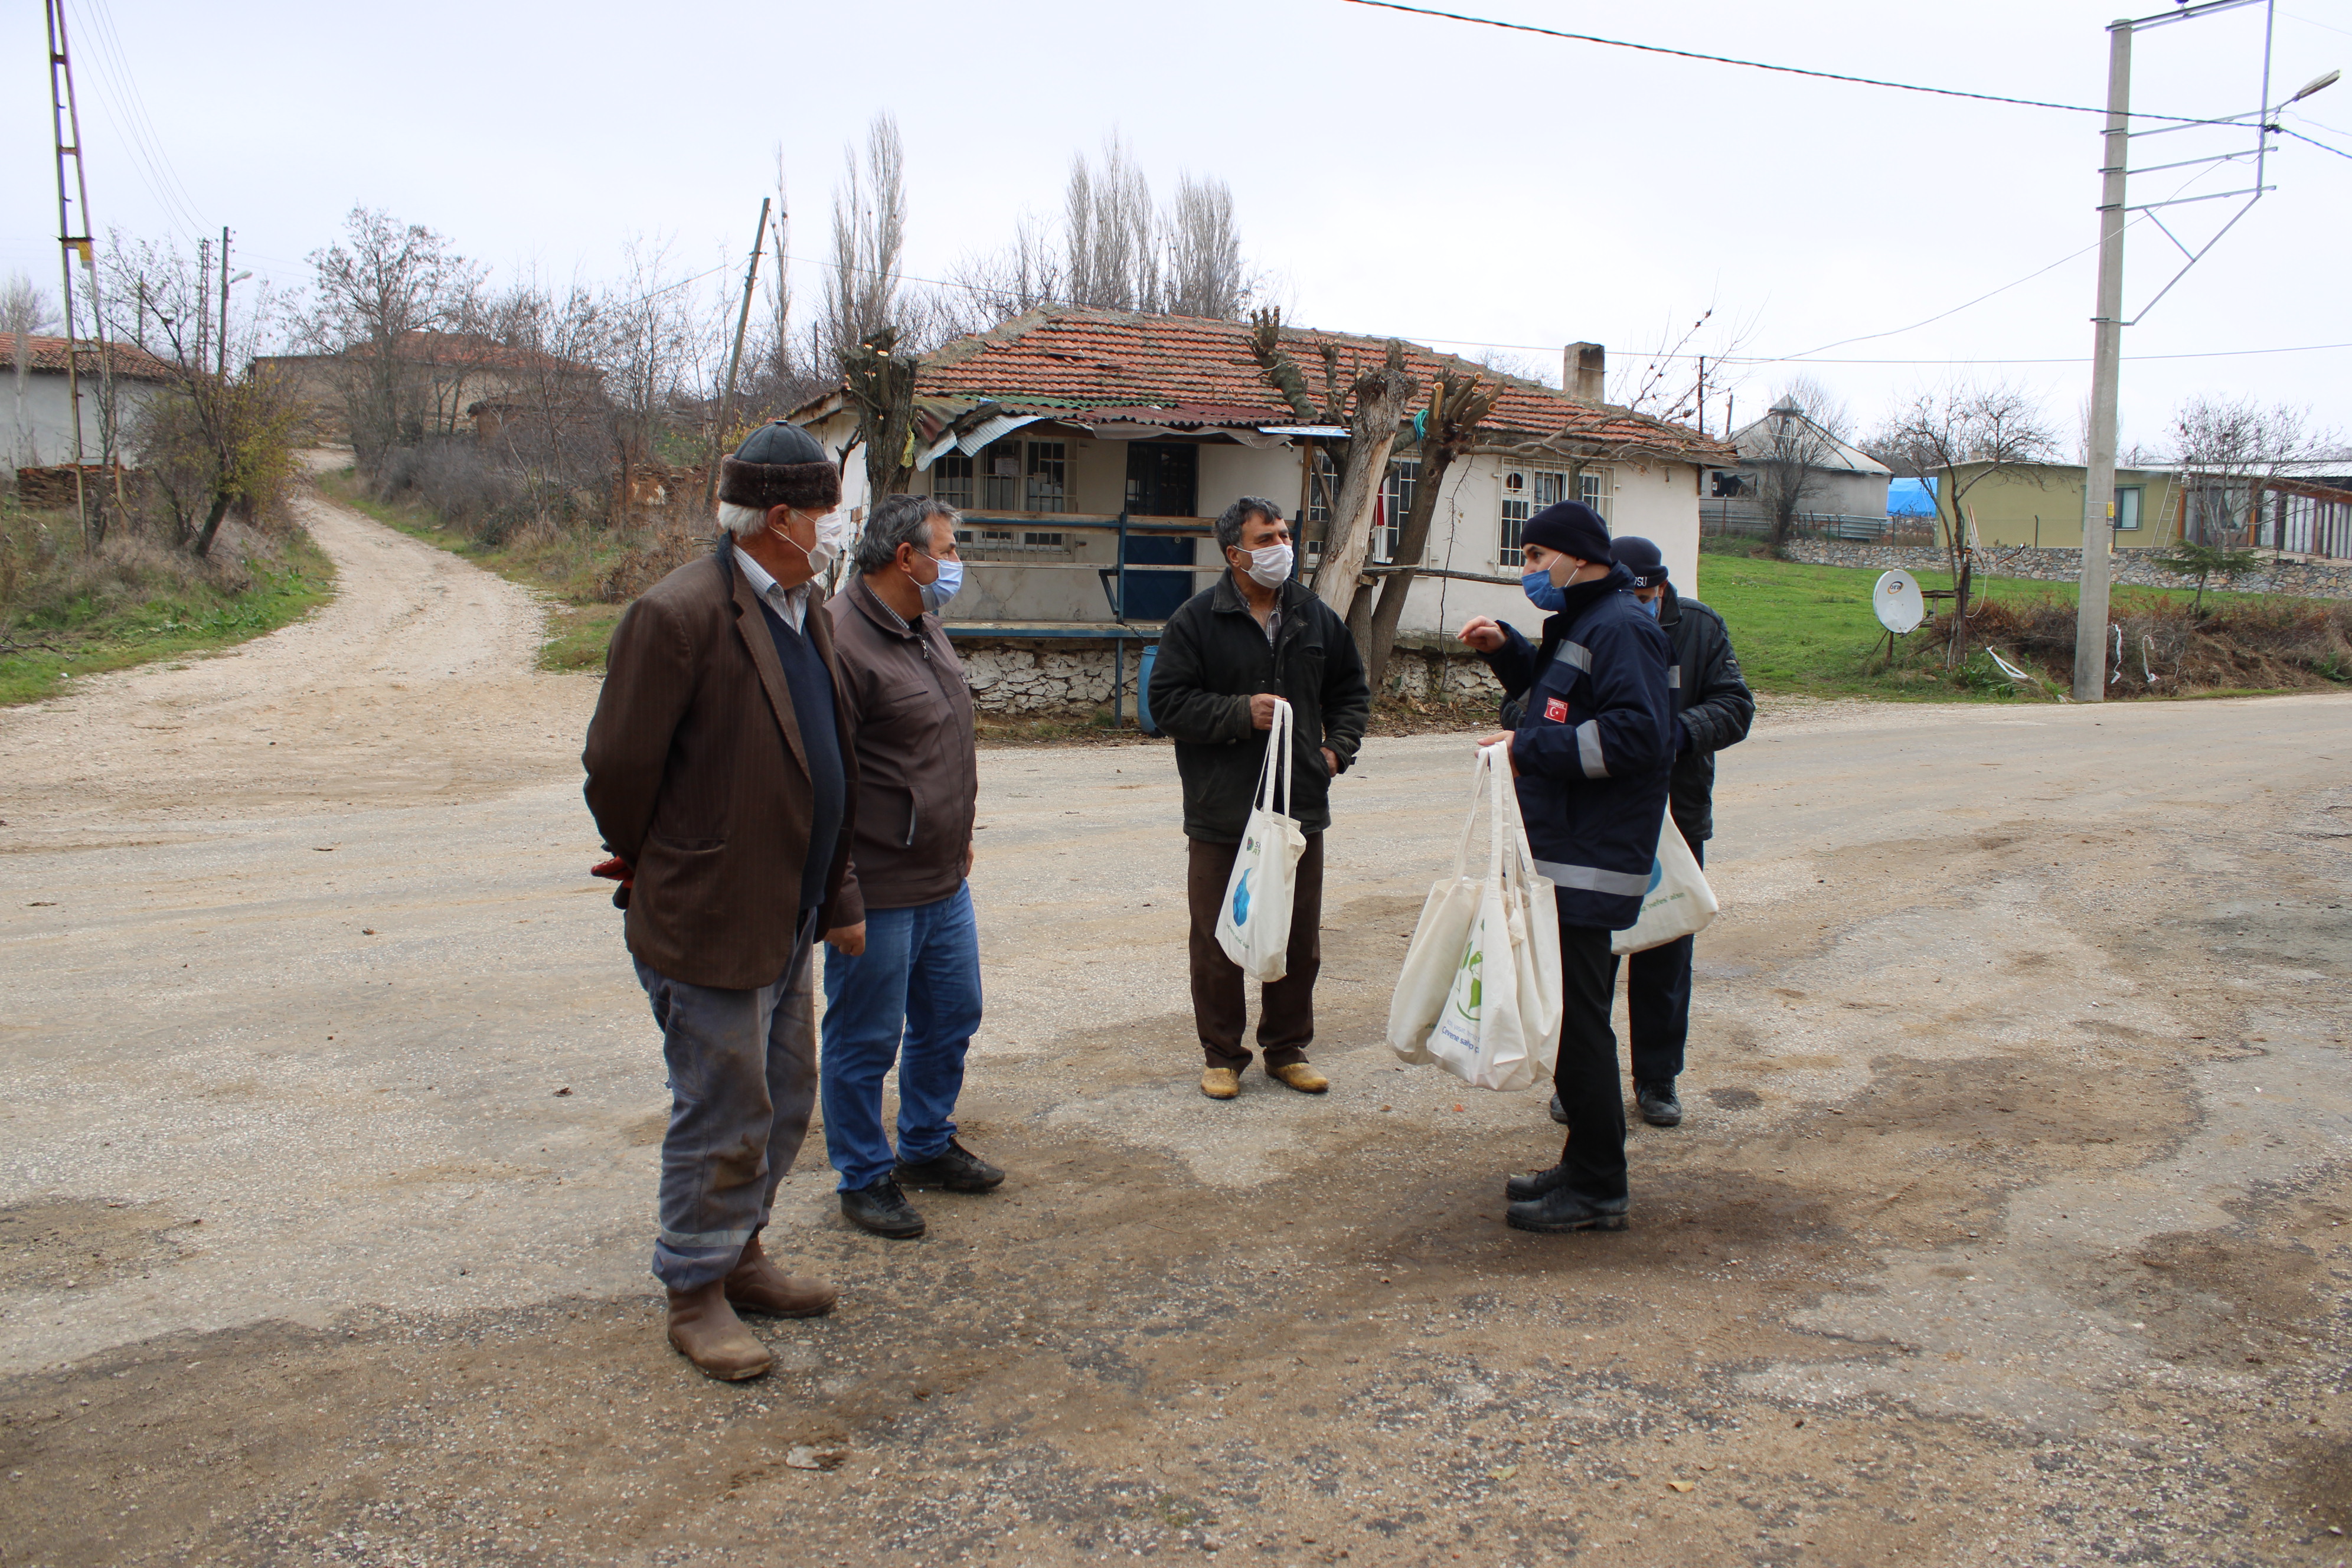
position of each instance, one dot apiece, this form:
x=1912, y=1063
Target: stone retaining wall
x=2317, y=579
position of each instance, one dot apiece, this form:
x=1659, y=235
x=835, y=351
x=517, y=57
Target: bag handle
x=1470, y=817
x=1277, y=755
x=1498, y=790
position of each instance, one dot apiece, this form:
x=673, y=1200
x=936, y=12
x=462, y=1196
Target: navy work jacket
x=1595, y=747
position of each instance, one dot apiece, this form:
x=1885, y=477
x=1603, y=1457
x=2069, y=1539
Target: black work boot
x=1659, y=1106
x=1519, y=1189
x=955, y=1169
x=882, y=1209
x=1559, y=1112
x=1564, y=1209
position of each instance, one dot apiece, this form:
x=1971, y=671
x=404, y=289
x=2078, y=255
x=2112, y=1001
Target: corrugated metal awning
x=978, y=436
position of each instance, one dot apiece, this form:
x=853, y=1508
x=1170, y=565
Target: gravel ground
x=2007, y=1224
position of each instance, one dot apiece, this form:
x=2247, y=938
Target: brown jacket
x=697, y=778
x=903, y=690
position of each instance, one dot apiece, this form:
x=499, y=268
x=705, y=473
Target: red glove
x=618, y=871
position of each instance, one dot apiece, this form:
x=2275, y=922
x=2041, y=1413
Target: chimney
x=1584, y=370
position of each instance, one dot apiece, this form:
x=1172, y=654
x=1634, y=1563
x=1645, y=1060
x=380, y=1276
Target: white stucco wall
x=39, y=425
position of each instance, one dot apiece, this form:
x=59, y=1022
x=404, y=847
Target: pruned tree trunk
x=1455, y=410
x=882, y=385
x=1382, y=398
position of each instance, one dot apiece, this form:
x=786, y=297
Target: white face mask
x=1270, y=567
x=832, y=538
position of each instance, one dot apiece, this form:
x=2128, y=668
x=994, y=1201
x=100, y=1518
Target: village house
x=447, y=384
x=1836, y=486
x=1091, y=450
x=40, y=403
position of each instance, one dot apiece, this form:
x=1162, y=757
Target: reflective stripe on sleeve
x=1675, y=675
x=1594, y=879
x=1588, y=750
x=1577, y=654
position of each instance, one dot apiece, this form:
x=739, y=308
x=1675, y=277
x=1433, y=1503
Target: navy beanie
x=1569, y=527
x=1639, y=557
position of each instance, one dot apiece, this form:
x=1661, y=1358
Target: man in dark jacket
x=1224, y=656
x=1713, y=710
x=902, y=982
x=1591, y=755
x=721, y=777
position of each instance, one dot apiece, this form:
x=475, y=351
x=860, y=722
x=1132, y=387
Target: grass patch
x=1804, y=630
x=585, y=576
x=64, y=612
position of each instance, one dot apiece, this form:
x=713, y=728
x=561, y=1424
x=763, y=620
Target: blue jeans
x=741, y=1081
x=912, y=999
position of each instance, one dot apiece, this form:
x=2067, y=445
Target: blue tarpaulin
x=1911, y=497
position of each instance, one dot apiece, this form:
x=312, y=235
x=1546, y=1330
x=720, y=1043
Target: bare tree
x=1960, y=436
x=1792, y=449
x=1205, y=275
x=1112, y=233
x=1028, y=275
x=869, y=236
x=2228, y=450
x=1456, y=409
x=380, y=292
x=656, y=349
x=1678, y=378
x=209, y=440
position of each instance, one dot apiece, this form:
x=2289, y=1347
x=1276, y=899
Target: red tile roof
x=1179, y=369
x=50, y=354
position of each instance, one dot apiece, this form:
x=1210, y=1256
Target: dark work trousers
x=1586, y=1074
x=1657, y=1002
x=1285, y=1020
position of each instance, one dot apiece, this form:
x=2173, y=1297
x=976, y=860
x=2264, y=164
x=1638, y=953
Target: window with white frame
x=1528, y=491
x=999, y=476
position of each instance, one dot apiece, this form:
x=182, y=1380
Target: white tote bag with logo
x=1679, y=902
x=1254, y=923
x=1480, y=993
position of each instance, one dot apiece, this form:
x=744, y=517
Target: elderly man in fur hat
x=720, y=775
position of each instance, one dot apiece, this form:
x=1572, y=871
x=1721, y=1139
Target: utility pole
x=223, y=305
x=727, y=395
x=2116, y=210
x=2106, y=355
x=204, y=302
x=73, y=214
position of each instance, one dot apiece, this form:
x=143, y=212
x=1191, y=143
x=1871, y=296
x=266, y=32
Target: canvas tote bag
x=1679, y=902
x=1254, y=923
x=1480, y=991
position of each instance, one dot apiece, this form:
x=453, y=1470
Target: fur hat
x=781, y=465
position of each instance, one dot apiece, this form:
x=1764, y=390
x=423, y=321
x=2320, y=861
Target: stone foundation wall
x=2315, y=579
x=1045, y=676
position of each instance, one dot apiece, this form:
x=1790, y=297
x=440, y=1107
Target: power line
x=2321, y=145
x=1764, y=65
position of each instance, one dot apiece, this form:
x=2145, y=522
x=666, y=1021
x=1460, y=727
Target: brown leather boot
x=759, y=1286
x=705, y=1329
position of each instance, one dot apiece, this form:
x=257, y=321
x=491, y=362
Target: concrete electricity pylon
x=2107, y=352
x=75, y=242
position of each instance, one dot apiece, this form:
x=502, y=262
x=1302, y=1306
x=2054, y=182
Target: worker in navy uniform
x=1713, y=709
x=1590, y=756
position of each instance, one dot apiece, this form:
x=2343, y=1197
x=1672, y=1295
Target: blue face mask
x=1542, y=591
x=937, y=594
x=1650, y=606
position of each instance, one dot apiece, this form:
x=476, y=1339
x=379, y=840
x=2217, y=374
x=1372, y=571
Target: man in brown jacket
x=719, y=774
x=908, y=991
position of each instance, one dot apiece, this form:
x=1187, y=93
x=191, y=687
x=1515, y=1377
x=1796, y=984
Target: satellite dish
x=1896, y=598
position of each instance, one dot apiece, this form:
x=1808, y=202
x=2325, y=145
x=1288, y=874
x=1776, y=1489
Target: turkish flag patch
x=1556, y=709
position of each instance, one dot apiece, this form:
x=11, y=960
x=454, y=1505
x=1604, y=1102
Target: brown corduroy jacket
x=918, y=767
x=697, y=778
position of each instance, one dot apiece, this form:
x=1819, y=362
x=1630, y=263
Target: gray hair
x=898, y=520
x=1235, y=517
x=740, y=522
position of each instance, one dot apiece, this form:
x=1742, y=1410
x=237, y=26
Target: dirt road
x=2009, y=1224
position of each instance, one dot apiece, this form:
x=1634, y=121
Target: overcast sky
x=1456, y=185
